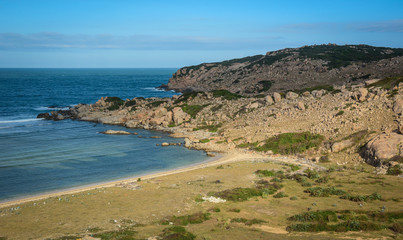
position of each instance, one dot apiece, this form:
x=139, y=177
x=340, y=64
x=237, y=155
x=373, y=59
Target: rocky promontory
x=291, y=69
x=353, y=123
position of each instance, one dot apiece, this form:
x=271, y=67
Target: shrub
x=395, y=170
x=193, y=110
x=324, y=192
x=293, y=198
x=318, y=216
x=118, y=234
x=177, y=232
x=215, y=209
x=396, y=227
x=280, y=195
x=311, y=174
x=291, y=143
x=155, y=104
x=239, y=194
x=210, y=128
x=265, y=173
x=226, y=94
x=339, y=113
x=236, y=210
x=247, y=222
x=204, y=140
x=361, y=198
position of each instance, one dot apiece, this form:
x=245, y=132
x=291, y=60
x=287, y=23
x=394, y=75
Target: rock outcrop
x=292, y=68
x=382, y=148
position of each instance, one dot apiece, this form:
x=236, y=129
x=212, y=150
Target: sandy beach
x=221, y=158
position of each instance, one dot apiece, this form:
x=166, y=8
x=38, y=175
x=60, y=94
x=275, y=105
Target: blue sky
x=123, y=33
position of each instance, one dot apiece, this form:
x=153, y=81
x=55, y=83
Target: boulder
x=362, y=94
x=338, y=146
x=382, y=148
x=291, y=95
x=178, y=115
x=254, y=105
x=268, y=100
x=301, y=106
x=165, y=144
x=160, y=112
x=398, y=106
x=113, y=132
x=277, y=97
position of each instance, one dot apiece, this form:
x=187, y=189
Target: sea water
x=40, y=156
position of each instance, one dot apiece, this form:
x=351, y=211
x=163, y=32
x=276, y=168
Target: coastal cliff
x=291, y=69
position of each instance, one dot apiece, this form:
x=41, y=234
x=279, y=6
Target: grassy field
x=172, y=207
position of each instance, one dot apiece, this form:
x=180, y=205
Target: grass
x=226, y=94
x=265, y=173
x=387, y=83
x=395, y=170
x=184, y=97
x=193, y=110
x=204, y=140
x=247, y=222
x=291, y=143
x=115, y=235
x=176, y=233
x=195, y=218
x=239, y=194
x=340, y=227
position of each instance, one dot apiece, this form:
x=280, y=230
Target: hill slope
x=291, y=68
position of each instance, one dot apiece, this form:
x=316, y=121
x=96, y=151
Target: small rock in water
x=164, y=144
x=113, y=132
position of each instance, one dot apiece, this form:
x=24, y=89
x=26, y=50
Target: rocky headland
x=291, y=69
x=352, y=123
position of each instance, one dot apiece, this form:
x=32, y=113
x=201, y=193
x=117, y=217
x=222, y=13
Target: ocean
x=40, y=156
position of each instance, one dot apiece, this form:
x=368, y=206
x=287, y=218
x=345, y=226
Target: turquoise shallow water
x=39, y=156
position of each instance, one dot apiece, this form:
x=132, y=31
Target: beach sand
x=222, y=158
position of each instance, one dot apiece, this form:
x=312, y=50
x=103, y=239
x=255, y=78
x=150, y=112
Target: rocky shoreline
x=348, y=117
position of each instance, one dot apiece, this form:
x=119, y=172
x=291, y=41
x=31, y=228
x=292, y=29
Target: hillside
x=291, y=68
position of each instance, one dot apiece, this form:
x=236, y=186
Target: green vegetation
x=130, y=103
x=395, y=170
x=263, y=189
x=172, y=125
x=226, y=94
x=291, y=143
x=115, y=103
x=236, y=210
x=342, y=56
x=184, y=97
x=269, y=60
x=387, y=83
x=176, y=232
x=280, y=195
x=216, y=108
x=339, y=113
x=265, y=173
x=351, y=221
x=324, y=192
x=193, y=110
x=266, y=85
x=361, y=198
x=318, y=216
x=118, y=234
x=155, y=104
x=204, y=140
x=195, y=218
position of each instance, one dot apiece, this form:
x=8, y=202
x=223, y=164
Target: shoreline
x=218, y=159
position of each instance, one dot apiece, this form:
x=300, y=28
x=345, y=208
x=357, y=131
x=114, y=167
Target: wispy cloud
x=392, y=26
x=12, y=41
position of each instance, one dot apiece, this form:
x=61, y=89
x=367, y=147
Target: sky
x=157, y=33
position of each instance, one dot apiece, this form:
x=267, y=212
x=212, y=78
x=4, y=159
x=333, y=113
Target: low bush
x=318, y=216
x=226, y=94
x=291, y=143
x=395, y=170
x=280, y=195
x=193, y=110
x=176, y=232
x=324, y=192
x=248, y=222
x=361, y=198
